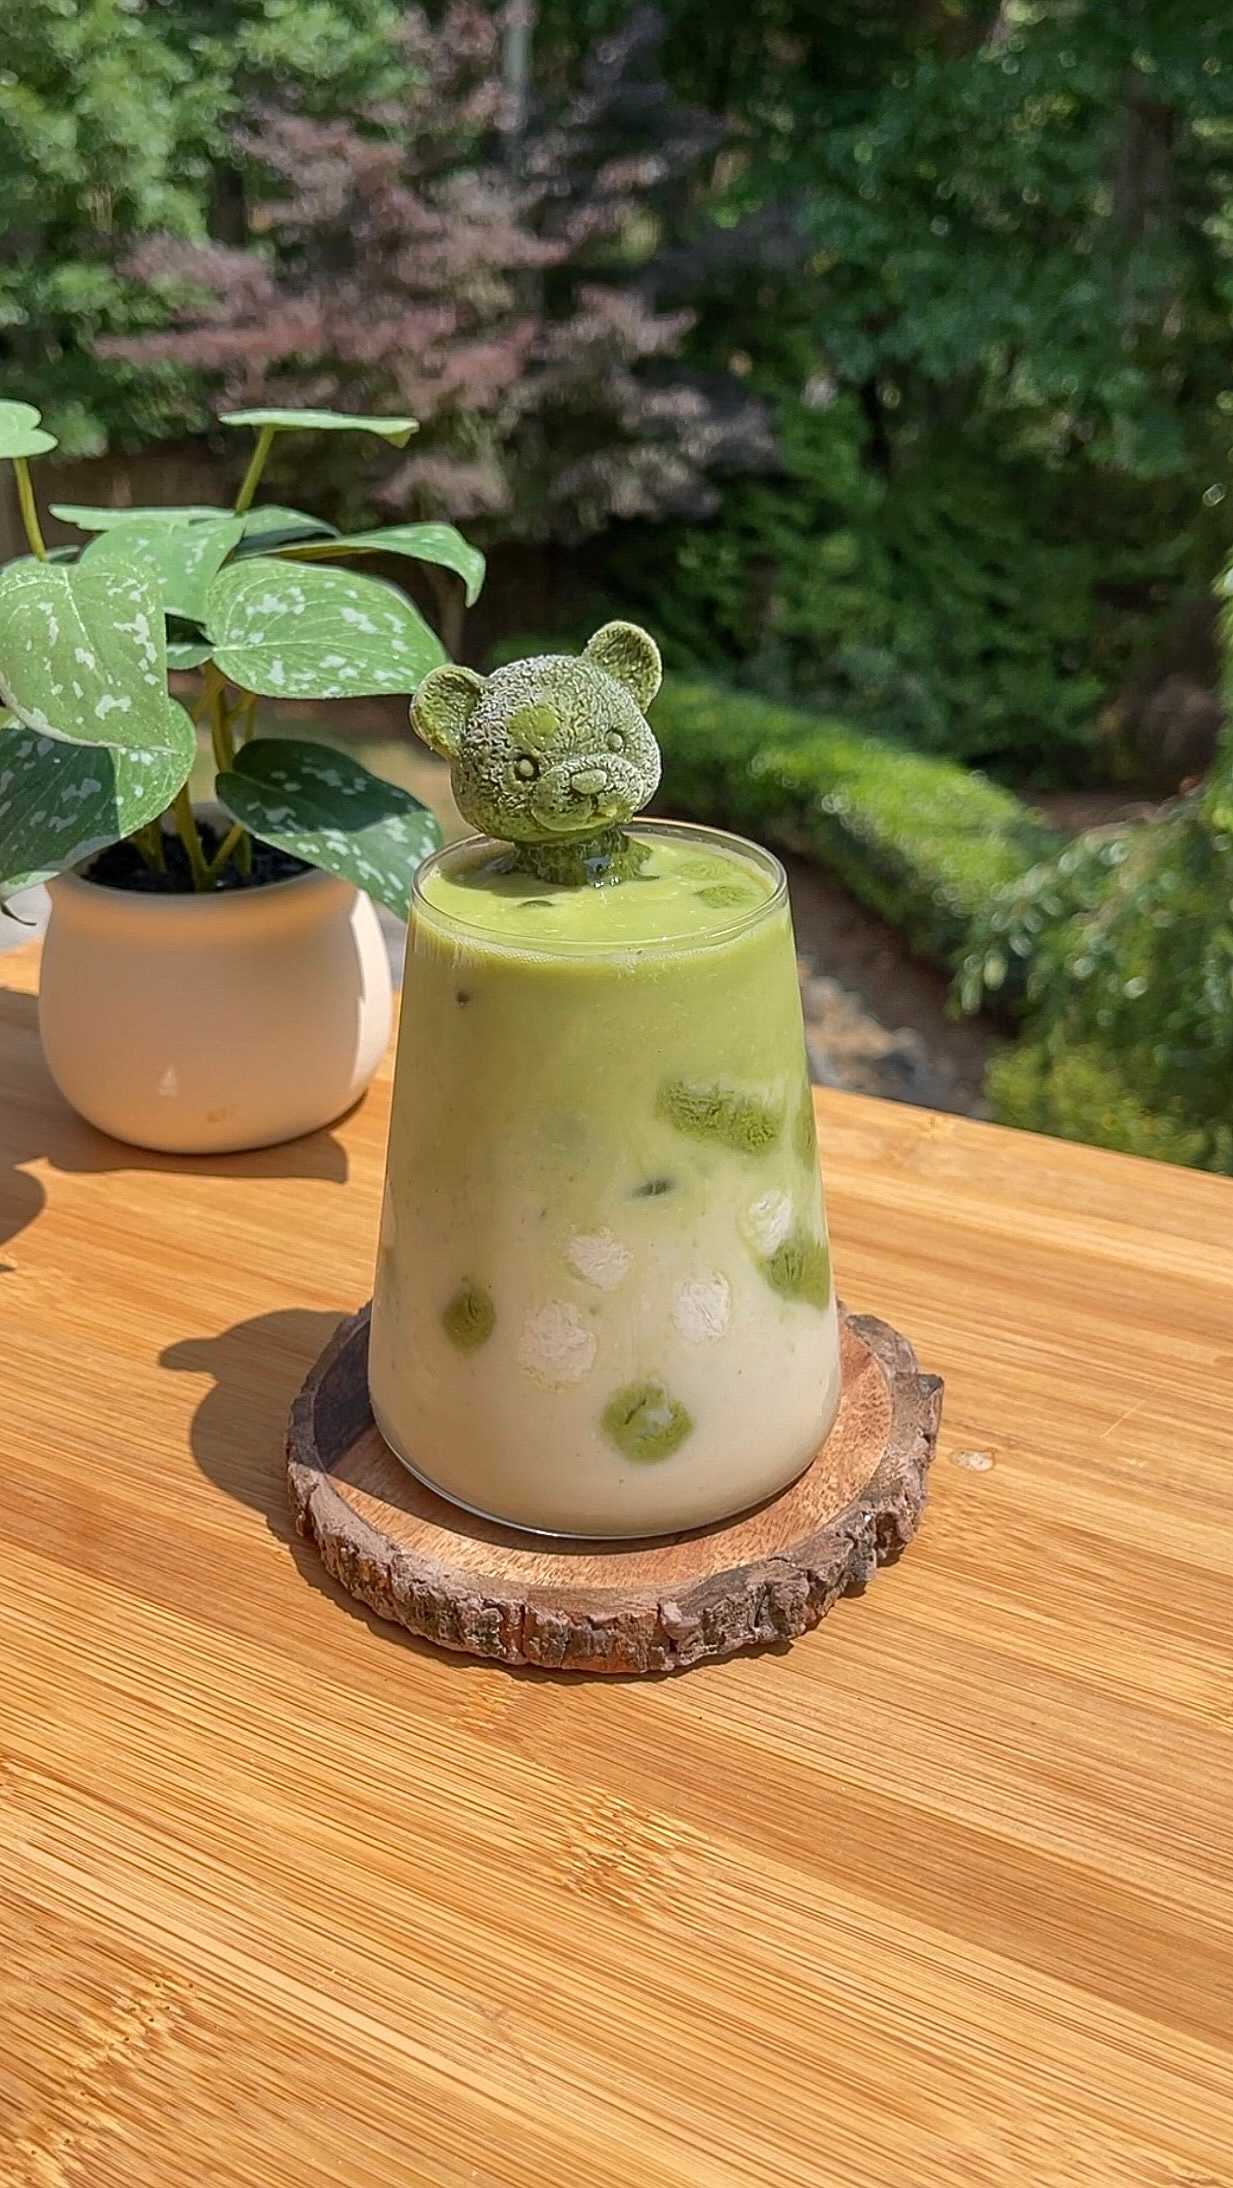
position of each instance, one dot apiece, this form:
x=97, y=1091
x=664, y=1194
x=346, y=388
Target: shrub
x=1126, y=945
x=964, y=604
x=920, y=840
x=114, y=118
x=1081, y=1094
x=413, y=254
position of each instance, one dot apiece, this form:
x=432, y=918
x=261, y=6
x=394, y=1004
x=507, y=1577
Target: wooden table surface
x=939, y=1896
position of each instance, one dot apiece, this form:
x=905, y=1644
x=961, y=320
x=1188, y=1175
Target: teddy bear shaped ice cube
x=554, y=754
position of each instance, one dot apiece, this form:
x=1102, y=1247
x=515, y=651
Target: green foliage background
x=1011, y=322
x=947, y=608
x=114, y=122
x=1123, y=943
x=974, y=256
x=970, y=262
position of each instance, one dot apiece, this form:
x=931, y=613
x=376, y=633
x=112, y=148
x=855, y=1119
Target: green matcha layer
x=680, y=894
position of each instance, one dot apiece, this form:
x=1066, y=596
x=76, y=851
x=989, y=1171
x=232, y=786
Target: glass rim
x=530, y=946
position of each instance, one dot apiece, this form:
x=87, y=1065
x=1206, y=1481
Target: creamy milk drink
x=603, y=1303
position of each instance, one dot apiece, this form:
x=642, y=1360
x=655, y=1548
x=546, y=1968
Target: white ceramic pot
x=204, y=1024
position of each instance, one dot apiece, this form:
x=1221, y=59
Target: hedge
x=920, y=839
x=1128, y=950
x=1083, y=1093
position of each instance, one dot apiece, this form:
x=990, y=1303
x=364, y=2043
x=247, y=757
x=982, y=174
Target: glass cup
x=603, y=1303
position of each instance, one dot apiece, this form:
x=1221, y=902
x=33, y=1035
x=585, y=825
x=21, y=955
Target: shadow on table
x=239, y=1429
x=238, y=1438
x=36, y=1124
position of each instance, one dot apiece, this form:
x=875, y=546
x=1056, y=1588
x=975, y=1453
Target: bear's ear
x=632, y=656
x=443, y=706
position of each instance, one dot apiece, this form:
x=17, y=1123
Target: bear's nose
x=588, y=781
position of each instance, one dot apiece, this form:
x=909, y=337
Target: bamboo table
x=938, y=1897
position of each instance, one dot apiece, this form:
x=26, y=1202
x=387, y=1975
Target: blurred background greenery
x=875, y=352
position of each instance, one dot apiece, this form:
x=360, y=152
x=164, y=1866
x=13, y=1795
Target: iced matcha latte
x=603, y=1301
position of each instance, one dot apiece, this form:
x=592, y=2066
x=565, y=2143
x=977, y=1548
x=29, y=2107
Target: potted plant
x=214, y=975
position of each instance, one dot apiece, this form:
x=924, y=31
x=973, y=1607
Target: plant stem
x=243, y=725
x=238, y=843
x=220, y=729
x=186, y=824
x=149, y=841
x=234, y=840
x=450, y=604
x=29, y=508
x=248, y=485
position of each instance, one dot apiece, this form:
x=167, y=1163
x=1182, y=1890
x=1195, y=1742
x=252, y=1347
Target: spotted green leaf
x=187, y=653
x=277, y=529
x=83, y=653
x=21, y=431
x=438, y=543
x=91, y=519
x=53, y=554
x=59, y=803
x=398, y=431
x=295, y=631
x=266, y=517
x=326, y=808
x=184, y=557
x=270, y=516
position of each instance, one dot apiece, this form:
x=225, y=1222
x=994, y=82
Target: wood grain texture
x=937, y=1898
x=467, y=1583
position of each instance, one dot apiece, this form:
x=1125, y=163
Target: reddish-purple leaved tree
x=493, y=267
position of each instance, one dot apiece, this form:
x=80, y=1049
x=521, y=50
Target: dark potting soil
x=121, y=866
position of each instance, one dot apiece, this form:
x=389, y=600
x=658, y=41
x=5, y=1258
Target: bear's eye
x=615, y=740
x=525, y=768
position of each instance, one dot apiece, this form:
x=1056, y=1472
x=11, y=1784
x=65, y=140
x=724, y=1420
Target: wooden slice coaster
x=661, y=1605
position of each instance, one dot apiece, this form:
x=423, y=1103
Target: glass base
x=558, y=1534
